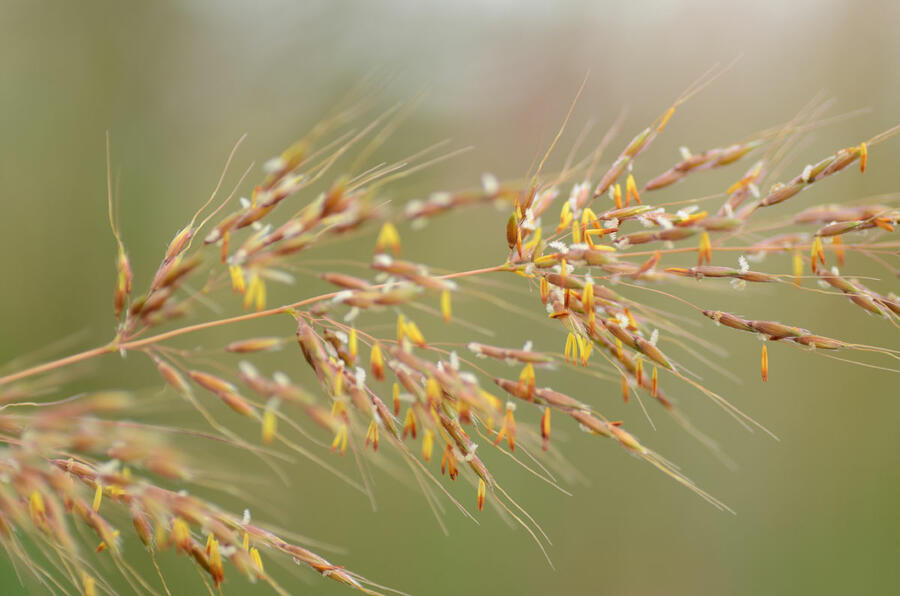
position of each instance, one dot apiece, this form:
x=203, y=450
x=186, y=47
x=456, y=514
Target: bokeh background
x=176, y=83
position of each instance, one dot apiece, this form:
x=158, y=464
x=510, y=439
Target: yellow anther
x=388, y=238
x=427, y=444
x=98, y=497
x=237, y=278
x=446, y=310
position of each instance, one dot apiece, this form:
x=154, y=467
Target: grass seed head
x=79, y=460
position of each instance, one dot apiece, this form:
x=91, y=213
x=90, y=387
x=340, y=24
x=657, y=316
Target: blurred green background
x=176, y=83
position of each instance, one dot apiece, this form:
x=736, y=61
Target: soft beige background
x=177, y=82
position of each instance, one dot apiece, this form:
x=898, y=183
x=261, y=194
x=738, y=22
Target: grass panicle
x=378, y=377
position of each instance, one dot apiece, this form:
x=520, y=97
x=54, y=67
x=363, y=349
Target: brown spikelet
x=512, y=231
x=124, y=278
x=179, y=242
x=258, y=344
x=210, y=382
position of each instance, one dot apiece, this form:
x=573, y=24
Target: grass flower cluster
x=587, y=242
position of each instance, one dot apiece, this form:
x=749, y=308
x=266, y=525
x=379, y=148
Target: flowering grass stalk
x=75, y=463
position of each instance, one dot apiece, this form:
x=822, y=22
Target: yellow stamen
x=446, y=311
x=339, y=381
x=427, y=444
x=545, y=428
x=535, y=240
x=576, y=232
x=181, y=535
x=353, y=344
x=269, y=422
x=88, y=585
x=339, y=409
x=409, y=423
x=838, y=249
x=584, y=348
x=527, y=379
x=372, y=435
x=433, y=391
x=816, y=254
x=237, y=278
x=632, y=324
x=216, y=569
x=631, y=190
x=401, y=328
x=256, y=292
x=449, y=463
x=414, y=335
x=508, y=429
x=161, y=538
x=693, y=217
x=340, y=439
x=376, y=362
x=104, y=545
x=98, y=496
x=257, y=560
x=36, y=507
x=587, y=299
x=565, y=216
x=704, y=253
x=388, y=238
x=600, y=232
